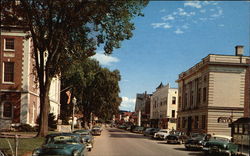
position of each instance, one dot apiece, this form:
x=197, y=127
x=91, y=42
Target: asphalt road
x=117, y=142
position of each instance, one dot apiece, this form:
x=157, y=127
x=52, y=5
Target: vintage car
x=67, y=144
x=87, y=138
x=177, y=138
x=138, y=129
x=162, y=134
x=220, y=144
x=196, y=141
x=147, y=131
x=96, y=130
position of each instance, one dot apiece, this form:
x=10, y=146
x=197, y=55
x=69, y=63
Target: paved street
x=116, y=142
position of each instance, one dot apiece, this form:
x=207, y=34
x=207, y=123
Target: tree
x=96, y=88
x=65, y=30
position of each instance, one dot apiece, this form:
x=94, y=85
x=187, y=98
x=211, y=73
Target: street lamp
x=73, y=113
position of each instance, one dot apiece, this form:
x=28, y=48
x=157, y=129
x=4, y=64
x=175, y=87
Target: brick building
x=19, y=93
x=213, y=93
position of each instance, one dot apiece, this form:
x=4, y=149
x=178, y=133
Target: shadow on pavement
x=195, y=153
x=126, y=135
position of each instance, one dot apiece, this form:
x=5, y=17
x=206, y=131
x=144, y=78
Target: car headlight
x=36, y=152
x=76, y=153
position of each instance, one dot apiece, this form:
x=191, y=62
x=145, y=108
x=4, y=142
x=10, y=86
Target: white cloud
x=168, y=17
x=167, y=26
x=221, y=25
x=218, y=14
x=127, y=103
x=178, y=31
x=157, y=25
x=194, y=4
x=180, y=9
x=105, y=59
x=185, y=26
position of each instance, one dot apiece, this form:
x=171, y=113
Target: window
x=196, y=122
x=173, y=113
x=8, y=72
x=9, y=44
x=203, y=121
x=183, y=122
x=7, y=110
x=179, y=123
x=179, y=101
x=204, y=94
x=199, y=96
x=173, y=100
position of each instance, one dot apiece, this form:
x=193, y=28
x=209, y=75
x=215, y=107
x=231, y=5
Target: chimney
x=239, y=50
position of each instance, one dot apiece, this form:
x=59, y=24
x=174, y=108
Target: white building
x=163, y=107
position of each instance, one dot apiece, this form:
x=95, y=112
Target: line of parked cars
x=209, y=144
x=76, y=143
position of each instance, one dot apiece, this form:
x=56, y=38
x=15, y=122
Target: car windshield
x=62, y=140
x=149, y=129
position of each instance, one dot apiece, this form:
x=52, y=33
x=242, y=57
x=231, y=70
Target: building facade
x=19, y=93
x=212, y=93
x=142, y=109
x=163, y=107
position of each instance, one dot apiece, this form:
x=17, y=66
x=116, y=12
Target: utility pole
x=139, y=118
x=73, y=113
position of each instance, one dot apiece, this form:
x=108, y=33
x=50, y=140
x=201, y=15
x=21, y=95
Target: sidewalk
x=244, y=150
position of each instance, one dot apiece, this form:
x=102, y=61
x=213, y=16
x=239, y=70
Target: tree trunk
x=44, y=109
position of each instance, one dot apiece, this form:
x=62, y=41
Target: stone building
x=163, y=107
x=19, y=93
x=142, y=108
x=213, y=93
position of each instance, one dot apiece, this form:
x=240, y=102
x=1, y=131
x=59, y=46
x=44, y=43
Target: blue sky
x=172, y=37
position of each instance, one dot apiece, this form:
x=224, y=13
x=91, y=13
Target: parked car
x=122, y=126
x=151, y=132
x=162, y=134
x=177, y=138
x=148, y=131
x=96, y=130
x=138, y=129
x=66, y=144
x=220, y=144
x=196, y=141
x=87, y=138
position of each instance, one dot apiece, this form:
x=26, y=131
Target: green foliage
x=96, y=88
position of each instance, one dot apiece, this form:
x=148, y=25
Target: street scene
x=115, y=142
x=116, y=78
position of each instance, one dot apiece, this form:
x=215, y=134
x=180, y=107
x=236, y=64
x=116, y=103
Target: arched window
x=7, y=109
